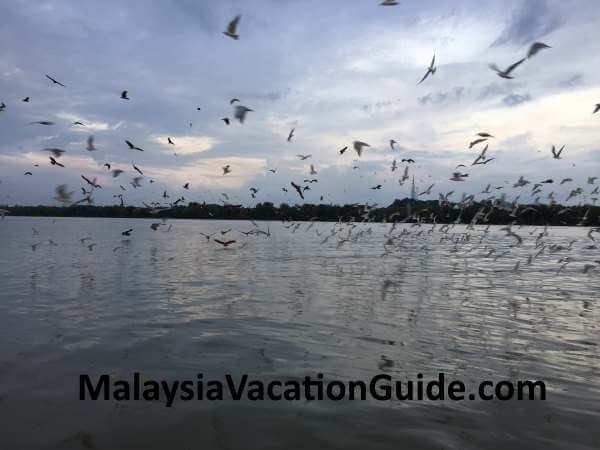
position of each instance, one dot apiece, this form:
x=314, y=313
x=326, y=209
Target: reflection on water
x=171, y=304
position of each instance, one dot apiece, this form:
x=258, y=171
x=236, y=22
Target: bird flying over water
x=298, y=189
x=232, y=28
x=555, y=154
x=224, y=243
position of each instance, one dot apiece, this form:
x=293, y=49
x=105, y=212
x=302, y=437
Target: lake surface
x=170, y=304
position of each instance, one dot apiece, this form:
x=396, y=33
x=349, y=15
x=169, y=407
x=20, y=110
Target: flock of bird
x=346, y=232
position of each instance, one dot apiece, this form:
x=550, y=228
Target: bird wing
x=425, y=76
x=514, y=66
x=233, y=24
x=432, y=62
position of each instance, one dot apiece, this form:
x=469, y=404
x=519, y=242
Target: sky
x=335, y=71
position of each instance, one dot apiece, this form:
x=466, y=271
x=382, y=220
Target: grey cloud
x=533, y=20
x=516, y=99
x=575, y=80
x=455, y=94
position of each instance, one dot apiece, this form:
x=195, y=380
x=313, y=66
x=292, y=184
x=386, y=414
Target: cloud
x=516, y=99
x=533, y=20
x=185, y=145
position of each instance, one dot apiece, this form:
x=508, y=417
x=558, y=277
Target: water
x=170, y=305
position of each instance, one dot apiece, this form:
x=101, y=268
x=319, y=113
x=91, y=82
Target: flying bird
x=226, y=169
x=289, y=138
x=303, y=157
x=137, y=169
x=596, y=108
x=343, y=150
x=42, y=122
x=555, y=154
x=61, y=193
x=26, y=100
x=116, y=172
x=124, y=95
x=477, y=141
x=225, y=243
x=170, y=141
x=133, y=147
x=359, y=146
x=298, y=189
x=232, y=27
x=90, y=144
x=430, y=70
x=55, y=163
x=240, y=113
x=54, y=81
x=226, y=120
x=509, y=69
x=312, y=170
x=127, y=232
x=388, y=3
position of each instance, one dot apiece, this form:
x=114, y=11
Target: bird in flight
x=509, y=69
x=388, y=3
x=137, y=169
x=232, y=28
x=124, y=95
x=477, y=141
x=54, y=81
x=127, y=232
x=116, y=172
x=555, y=154
x=61, y=194
x=303, y=157
x=430, y=70
x=535, y=48
x=312, y=170
x=298, y=189
x=42, y=122
x=359, y=146
x=291, y=135
x=392, y=142
x=343, y=150
x=376, y=188
x=596, y=108
x=26, y=100
x=226, y=169
x=240, y=113
x=226, y=120
x=90, y=144
x=133, y=147
x=78, y=122
x=54, y=162
x=457, y=176
x=186, y=185
x=170, y=141
x=224, y=243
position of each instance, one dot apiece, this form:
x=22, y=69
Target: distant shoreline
x=431, y=211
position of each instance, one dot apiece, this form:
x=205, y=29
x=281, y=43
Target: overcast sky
x=336, y=71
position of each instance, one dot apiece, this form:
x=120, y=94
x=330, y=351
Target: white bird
x=430, y=70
